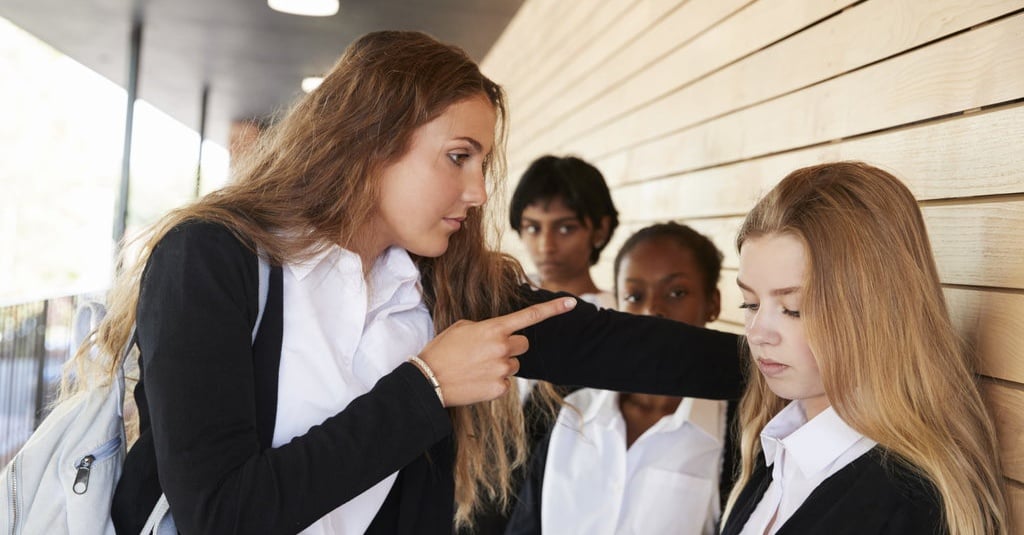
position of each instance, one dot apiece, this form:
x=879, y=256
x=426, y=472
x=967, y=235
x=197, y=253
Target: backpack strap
x=264, y=276
x=266, y=356
x=160, y=521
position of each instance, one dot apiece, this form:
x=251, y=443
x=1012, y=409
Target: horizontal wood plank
x=859, y=36
x=536, y=35
x=978, y=243
x=957, y=157
x=992, y=325
x=615, y=24
x=1007, y=406
x=1015, y=503
x=970, y=70
x=633, y=44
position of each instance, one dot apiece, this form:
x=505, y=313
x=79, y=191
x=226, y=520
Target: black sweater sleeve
x=196, y=310
x=611, y=350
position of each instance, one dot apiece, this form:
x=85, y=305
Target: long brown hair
x=876, y=321
x=315, y=174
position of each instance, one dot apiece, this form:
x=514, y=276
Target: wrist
x=429, y=374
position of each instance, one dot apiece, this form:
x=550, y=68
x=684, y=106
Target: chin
x=430, y=251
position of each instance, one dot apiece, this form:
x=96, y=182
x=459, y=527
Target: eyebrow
x=775, y=293
x=476, y=144
x=555, y=222
x=666, y=278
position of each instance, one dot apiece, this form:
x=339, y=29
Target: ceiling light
x=309, y=8
x=310, y=83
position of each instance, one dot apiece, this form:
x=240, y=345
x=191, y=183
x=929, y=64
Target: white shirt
x=340, y=337
x=802, y=455
x=666, y=482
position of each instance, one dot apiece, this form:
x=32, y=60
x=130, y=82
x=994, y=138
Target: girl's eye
x=458, y=158
x=677, y=293
x=791, y=313
x=531, y=229
x=566, y=229
x=750, y=306
x=632, y=298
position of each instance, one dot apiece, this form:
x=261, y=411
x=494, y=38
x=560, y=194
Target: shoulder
x=909, y=485
x=911, y=497
x=200, y=256
x=199, y=242
x=199, y=235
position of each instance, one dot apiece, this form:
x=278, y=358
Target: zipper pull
x=82, y=477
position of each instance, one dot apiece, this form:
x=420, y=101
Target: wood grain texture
x=1015, y=503
x=536, y=30
x=637, y=44
x=992, y=325
x=978, y=243
x=863, y=34
x=613, y=25
x=1007, y=405
x=951, y=158
x=977, y=68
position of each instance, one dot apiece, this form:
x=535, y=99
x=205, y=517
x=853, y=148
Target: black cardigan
x=203, y=404
x=873, y=494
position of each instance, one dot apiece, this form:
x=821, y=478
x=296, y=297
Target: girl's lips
x=455, y=222
x=770, y=368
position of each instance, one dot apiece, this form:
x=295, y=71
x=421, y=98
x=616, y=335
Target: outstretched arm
x=601, y=348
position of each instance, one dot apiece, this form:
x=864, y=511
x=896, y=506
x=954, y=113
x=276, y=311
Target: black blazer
x=872, y=495
x=206, y=400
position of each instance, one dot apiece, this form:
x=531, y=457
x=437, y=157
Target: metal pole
x=40, y=354
x=203, y=105
x=121, y=216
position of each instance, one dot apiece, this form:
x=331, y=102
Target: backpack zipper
x=84, y=465
x=14, y=494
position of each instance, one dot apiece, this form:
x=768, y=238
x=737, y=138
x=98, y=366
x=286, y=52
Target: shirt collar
x=394, y=262
x=346, y=260
x=702, y=413
x=812, y=445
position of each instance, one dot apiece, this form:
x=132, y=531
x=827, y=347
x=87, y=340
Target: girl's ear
x=714, y=305
x=600, y=236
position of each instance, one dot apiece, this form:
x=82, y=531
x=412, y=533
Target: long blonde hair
x=316, y=173
x=876, y=321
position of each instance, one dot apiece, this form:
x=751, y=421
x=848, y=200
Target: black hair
x=576, y=183
x=708, y=257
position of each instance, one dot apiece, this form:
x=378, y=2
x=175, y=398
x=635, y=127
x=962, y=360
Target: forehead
x=473, y=118
x=773, y=261
x=553, y=208
x=660, y=254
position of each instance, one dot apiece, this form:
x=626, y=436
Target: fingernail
x=570, y=302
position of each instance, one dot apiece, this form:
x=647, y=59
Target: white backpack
x=62, y=480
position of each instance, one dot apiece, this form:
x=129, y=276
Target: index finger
x=534, y=314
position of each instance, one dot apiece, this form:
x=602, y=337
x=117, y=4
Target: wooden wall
x=693, y=108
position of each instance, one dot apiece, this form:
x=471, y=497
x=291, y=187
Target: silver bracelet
x=418, y=362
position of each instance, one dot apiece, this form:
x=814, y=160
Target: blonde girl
x=862, y=414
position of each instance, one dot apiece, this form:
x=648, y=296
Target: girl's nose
x=475, y=192
x=760, y=331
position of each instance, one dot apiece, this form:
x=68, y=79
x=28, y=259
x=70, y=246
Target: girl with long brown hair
x=861, y=414
x=374, y=395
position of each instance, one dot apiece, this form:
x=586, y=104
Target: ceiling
x=251, y=58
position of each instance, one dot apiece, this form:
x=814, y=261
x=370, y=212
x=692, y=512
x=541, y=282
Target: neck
x=814, y=406
x=576, y=286
x=368, y=251
x=650, y=402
